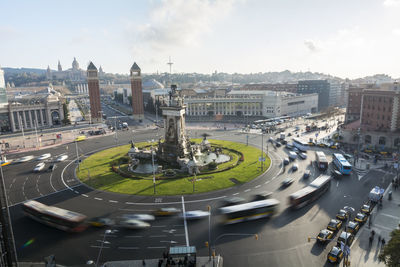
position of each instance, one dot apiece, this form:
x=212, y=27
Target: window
x=382, y=140
x=367, y=139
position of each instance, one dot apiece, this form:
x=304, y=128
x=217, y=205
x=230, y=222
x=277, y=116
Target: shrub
x=212, y=166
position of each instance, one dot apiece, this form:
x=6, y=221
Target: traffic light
x=206, y=243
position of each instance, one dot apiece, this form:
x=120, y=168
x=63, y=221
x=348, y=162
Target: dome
x=152, y=84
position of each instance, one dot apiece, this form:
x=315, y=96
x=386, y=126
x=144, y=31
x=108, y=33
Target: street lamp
x=152, y=161
x=108, y=231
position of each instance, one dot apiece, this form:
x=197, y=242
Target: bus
x=300, y=145
x=250, y=211
x=310, y=193
x=321, y=160
x=340, y=162
x=61, y=219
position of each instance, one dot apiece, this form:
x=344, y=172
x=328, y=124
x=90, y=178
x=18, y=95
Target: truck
x=376, y=194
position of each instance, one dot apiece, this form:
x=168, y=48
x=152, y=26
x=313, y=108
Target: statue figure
x=132, y=144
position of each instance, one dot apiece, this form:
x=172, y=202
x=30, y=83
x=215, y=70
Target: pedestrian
x=160, y=262
x=379, y=239
x=370, y=240
x=383, y=242
x=143, y=263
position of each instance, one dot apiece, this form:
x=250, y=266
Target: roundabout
x=107, y=170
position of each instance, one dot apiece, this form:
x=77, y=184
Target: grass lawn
x=96, y=172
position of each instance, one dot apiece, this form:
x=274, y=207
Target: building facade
x=277, y=87
x=137, y=94
x=266, y=104
x=320, y=87
x=353, y=110
x=94, y=93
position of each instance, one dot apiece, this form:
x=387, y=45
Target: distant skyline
x=348, y=39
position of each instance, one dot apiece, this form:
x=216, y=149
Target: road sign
x=261, y=159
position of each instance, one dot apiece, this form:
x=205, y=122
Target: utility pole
x=22, y=128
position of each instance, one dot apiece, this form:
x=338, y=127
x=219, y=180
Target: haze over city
x=342, y=38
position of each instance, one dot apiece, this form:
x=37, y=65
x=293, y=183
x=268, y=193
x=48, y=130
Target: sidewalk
x=201, y=262
x=384, y=221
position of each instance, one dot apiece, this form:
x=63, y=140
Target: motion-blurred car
x=277, y=144
x=140, y=217
x=39, y=167
x=335, y=255
x=366, y=208
x=289, y=146
x=5, y=162
x=62, y=158
x=334, y=146
x=262, y=196
x=303, y=155
x=24, y=159
x=334, y=225
x=306, y=174
x=342, y=215
x=361, y=217
x=286, y=161
x=230, y=201
x=101, y=222
x=43, y=157
x=195, y=214
x=80, y=138
x=134, y=224
x=167, y=211
x=337, y=174
x=353, y=227
x=346, y=238
x=295, y=149
x=324, y=235
x=288, y=181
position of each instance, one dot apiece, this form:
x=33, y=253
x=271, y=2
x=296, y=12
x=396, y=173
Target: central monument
x=176, y=143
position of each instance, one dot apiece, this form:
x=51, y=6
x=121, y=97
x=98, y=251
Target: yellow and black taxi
x=361, y=217
x=345, y=238
x=101, y=222
x=311, y=143
x=335, y=255
x=353, y=227
x=334, y=225
x=334, y=146
x=366, y=208
x=324, y=235
x=167, y=211
x=321, y=144
x=342, y=215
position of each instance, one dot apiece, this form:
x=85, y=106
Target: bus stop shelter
x=186, y=254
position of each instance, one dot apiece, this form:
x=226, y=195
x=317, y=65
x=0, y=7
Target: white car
x=140, y=217
x=195, y=214
x=39, y=167
x=44, y=156
x=62, y=158
x=295, y=167
x=24, y=159
x=134, y=224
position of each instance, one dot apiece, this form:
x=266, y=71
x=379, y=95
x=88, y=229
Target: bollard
x=390, y=195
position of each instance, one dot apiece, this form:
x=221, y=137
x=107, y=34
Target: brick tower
x=137, y=95
x=94, y=93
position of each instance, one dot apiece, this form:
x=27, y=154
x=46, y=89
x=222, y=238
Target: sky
x=344, y=38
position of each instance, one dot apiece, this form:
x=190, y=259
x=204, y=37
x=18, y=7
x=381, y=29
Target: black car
x=232, y=201
x=283, y=142
x=277, y=144
x=262, y=196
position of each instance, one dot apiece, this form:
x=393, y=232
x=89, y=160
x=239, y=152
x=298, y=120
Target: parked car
x=303, y=155
x=306, y=174
x=295, y=167
x=286, y=161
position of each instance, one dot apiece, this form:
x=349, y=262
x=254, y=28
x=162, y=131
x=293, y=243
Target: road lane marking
x=179, y=234
x=113, y=201
x=134, y=236
x=97, y=198
x=76, y=192
x=128, y=248
x=155, y=236
x=247, y=190
x=184, y=221
x=84, y=195
x=257, y=186
x=99, y=247
x=178, y=225
x=235, y=194
x=159, y=226
x=390, y=216
x=267, y=182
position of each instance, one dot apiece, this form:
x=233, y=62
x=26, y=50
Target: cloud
x=396, y=31
x=391, y=3
x=310, y=44
x=175, y=23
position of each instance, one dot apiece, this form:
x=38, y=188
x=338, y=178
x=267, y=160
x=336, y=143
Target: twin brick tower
x=94, y=93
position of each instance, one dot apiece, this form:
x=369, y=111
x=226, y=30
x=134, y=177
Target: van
x=292, y=155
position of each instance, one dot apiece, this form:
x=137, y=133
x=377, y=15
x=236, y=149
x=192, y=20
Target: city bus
x=321, y=160
x=250, y=211
x=310, y=193
x=340, y=162
x=61, y=219
x=300, y=145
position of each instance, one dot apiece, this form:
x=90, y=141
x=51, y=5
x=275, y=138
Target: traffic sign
x=261, y=159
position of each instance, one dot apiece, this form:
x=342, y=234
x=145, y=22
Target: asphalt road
x=282, y=242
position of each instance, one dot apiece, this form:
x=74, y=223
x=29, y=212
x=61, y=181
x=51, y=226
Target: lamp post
x=108, y=231
x=152, y=162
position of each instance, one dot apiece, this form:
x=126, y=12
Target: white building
x=252, y=103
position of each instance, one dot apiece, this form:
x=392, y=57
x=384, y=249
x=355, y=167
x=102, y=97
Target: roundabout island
x=109, y=170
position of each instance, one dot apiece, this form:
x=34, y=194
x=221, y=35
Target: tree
x=66, y=115
x=390, y=254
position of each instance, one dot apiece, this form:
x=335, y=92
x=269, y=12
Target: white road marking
x=23, y=187
x=184, y=221
x=113, y=201
x=99, y=247
x=178, y=225
x=267, y=182
x=128, y=248
x=84, y=195
x=155, y=236
x=130, y=203
x=257, y=186
x=76, y=191
x=390, y=216
x=247, y=190
x=337, y=184
x=157, y=247
x=134, y=236
x=159, y=226
x=37, y=186
x=51, y=182
x=97, y=198
x=179, y=234
x=235, y=194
